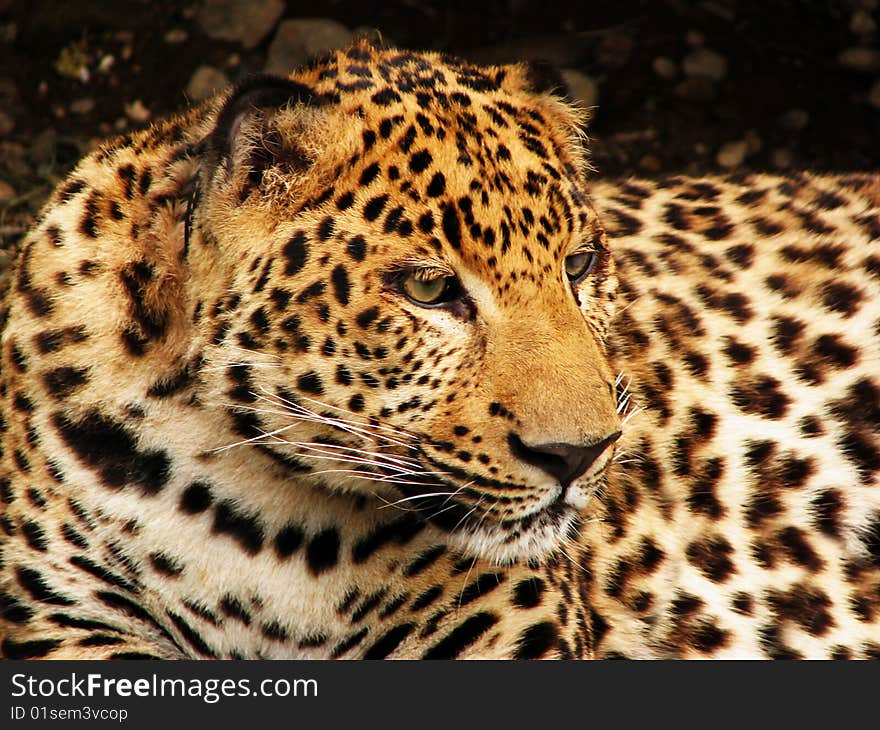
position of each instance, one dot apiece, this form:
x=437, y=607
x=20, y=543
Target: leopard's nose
x=564, y=462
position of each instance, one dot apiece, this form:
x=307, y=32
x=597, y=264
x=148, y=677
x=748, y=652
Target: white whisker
x=393, y=429
x=254, y=439
x=401, y=460
x=417, y=496
x=353, y=427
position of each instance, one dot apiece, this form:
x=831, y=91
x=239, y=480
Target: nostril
x=565, y=462
x=549, y=460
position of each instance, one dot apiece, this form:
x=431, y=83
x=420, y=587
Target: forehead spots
x=437, y=186
x=385, y=97
x=452, y=227
x=64, y=381
x=841, y=297
x=369, y=174
x=341, y=286
x=310, y=383
x=386, y=126
x=280, y=299
x=408, y=138
x=325, y=229
x=374, y=207
x=295, y=253
x=344, y=376
x=396, y=222
x=345, y=201
x=356, y=403
x=313, y=290
x=425, y=124
x=367, y=317
x=357, y=248
x=420, y=161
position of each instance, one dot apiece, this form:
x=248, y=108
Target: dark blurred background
x=677, y=85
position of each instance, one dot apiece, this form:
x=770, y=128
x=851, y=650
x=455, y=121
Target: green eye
x=429, y=291
x=579, y=265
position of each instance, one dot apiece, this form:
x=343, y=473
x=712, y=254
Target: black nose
x=564, y=462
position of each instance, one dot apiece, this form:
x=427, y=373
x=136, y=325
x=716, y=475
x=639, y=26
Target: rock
x=705, y=63
x=696, y=88
x=176, y=36
x=732, y=154
x=665, y=67
x=650, y=163
x=7, y=192
x=754, y=143
x=15, y=160
x=795, y=119
x=375, y=36
x=106, y=63
x=136, y=111
x=42, y=148
x=582, y=88
x=8, y=91
x=874, y=95
x=614, y=50
x=82, y=106
x=560, y=50
x=205, y=82
x=781, y=158
x=694, y=38
x=7, y=123
x=862, y=24
x=242, y=21
x=73, y=61
x=8, y=33
x=859, y=58
x=296, y=41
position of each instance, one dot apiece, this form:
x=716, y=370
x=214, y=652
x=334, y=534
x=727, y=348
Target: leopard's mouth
x=484, y=518
x=478, y=528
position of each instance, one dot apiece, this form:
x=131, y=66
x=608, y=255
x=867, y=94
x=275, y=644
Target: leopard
x=366, y=362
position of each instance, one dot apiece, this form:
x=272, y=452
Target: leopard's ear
x=254, y=97
x=247, y=138
x=555, y=96
x=545, y=78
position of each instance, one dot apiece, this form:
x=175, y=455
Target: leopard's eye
x=578, y=265
x=429, y=292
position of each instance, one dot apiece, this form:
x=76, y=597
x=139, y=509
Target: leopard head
x=416, y=293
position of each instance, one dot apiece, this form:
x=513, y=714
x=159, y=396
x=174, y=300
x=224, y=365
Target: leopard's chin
x=535, y=538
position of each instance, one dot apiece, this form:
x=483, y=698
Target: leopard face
x=417, y=293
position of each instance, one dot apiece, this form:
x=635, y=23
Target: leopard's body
x=228, y=432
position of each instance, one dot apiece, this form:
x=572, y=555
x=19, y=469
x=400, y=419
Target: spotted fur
x=227, y=432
